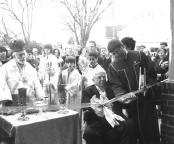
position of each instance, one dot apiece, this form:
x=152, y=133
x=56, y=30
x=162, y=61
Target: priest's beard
x=119, y=58
x=20, y=62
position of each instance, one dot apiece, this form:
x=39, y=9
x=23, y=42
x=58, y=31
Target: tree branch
x=66, y=4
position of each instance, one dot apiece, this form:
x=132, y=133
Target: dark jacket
x=159, y=69
x=89, y=92
x=104, y=62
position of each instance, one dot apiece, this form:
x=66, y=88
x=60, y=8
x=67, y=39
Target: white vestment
x=12, y=78
x=44, y=76
x=72, y=82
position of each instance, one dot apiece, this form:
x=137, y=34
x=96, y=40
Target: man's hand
x=119, y=118
x=127, y=99
x=97, y=106
x=109, y=105
x=167, y=74
x=39, y=99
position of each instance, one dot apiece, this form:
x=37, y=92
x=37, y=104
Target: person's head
x=48, y=49
x=92, y=57
x=60, y=46
x=129, y=43
x=67, y=50
x=117, y=50
x=103, y=51
x=56, y=52
x=146, y=51
x=141, y=48
x=35, y=51
x=163, y=44
x=3, y=53
x=92, y=44
x=99, y=78
x=18, y=49
x=70, y=62
x=162, y=53
x=29, y=55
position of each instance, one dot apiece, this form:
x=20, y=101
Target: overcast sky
x=145, y=20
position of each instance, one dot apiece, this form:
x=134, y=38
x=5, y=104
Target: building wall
x=167, y=126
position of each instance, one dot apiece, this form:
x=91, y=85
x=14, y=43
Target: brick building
x=167, y=126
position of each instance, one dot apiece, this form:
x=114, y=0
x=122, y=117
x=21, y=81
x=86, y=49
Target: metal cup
x=15, y=99
x=22, y=94
x=62, y=103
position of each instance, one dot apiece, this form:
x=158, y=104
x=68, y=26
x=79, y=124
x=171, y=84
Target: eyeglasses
x=101, y=77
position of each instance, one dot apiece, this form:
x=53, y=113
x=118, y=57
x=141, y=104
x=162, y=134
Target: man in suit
x=98, y=129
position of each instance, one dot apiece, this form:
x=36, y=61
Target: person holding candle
x=71, y=80
x=49, y=72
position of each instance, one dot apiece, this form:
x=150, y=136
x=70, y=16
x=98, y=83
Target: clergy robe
x=12, y=78
x=72, y=83
x=124, y=77
x=50, y=80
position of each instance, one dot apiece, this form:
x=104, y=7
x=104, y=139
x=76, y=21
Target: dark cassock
x=104, y=62
x=123, y=76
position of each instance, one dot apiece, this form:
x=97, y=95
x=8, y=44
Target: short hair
x=93, y=53
x=154, y=49
x=55, y=51
x=93, y=42
x=98, y=72
x=70, y=59
x=142, y=46
x=129, y=43
x=165, y=50
x=60, y=46
x=114, y=44
x=48, y=46
x=164, y=43
x=3, y=49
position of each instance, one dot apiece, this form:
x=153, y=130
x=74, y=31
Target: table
x=44, y=128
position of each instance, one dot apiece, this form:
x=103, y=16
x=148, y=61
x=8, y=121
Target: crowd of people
x=92, y=75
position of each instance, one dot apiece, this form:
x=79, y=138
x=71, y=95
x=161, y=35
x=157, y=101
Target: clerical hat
x=17, y=45
x=114, y=44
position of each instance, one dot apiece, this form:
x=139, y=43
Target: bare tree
x=6, y=34
x=83, y=15
x=22, y=12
